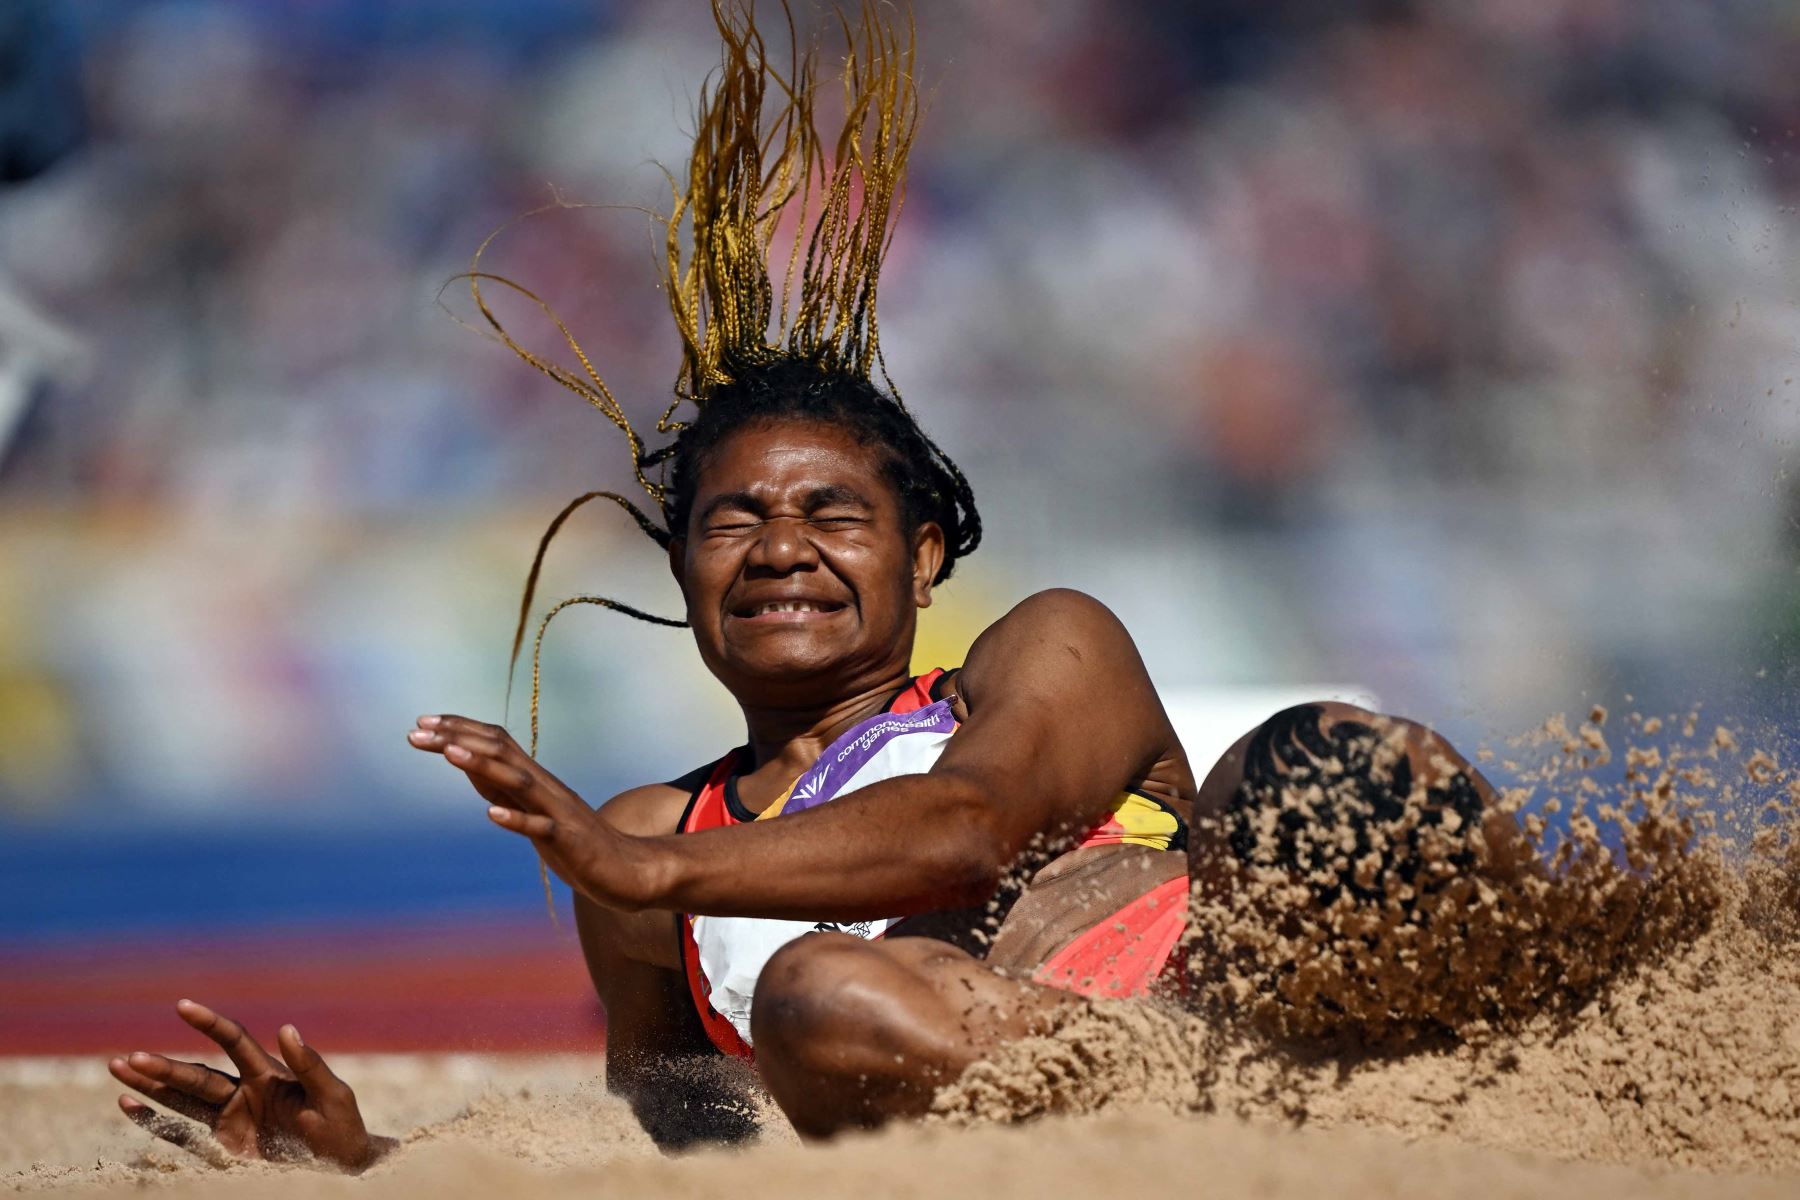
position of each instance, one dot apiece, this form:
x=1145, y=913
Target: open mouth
x=787, y=609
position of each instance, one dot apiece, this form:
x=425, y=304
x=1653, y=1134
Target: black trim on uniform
x=734, y=805
x=941, y=686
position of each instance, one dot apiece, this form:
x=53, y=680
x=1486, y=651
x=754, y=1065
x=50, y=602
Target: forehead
x=771, y=458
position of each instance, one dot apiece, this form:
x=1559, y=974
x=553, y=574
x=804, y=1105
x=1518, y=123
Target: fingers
x=496, y=765
x=251, y=1059
x=195, y=1079
x=187, y=1088
x=320, y=1083
x=530, y=825
x=179, y=1133
x=435, y=733
x=447, y=743
x=486, y=753
x=169, y=1129
x=493, y=767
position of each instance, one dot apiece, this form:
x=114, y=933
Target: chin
x=787, y=668
x=778, y=651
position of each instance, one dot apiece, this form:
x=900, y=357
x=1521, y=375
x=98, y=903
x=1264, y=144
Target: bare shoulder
x=1054, y=632
x=1061, y=613
x=651, y=937
x=653, y=809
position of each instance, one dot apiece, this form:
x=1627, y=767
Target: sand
x=1618, y=1016
x=1619, y=986
x=531, y=1128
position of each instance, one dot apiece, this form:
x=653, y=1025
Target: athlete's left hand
x=608, y=867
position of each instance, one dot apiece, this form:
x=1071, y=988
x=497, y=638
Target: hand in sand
x=272, y=1110
x=608, y=867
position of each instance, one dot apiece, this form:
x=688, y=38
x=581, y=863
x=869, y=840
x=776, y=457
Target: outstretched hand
x=278, y=1111
x=608, y=867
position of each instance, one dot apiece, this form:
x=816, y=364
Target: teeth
x=781, y=606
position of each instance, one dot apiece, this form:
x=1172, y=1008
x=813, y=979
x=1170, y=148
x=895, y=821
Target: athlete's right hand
x=279, y=1111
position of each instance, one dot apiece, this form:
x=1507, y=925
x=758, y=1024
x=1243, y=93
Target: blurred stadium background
x=1445, y=349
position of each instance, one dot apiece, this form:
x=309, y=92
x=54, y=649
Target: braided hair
x=752, y=353
x=929, y=485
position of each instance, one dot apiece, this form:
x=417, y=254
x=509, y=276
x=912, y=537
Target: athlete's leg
x=851, y=1033
x=1294, y=788
x=1292, y=744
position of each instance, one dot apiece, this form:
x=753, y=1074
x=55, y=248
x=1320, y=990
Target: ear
x=678, y=564
x=927, y=557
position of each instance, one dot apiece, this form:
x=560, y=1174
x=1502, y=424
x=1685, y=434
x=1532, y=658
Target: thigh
x=972, y=1005
x=1021, y=931
x=853, y=1033
x=1072, y=896
x=834, y=999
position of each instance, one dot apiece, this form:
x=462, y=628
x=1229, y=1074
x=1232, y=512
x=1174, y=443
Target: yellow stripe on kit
x=774, y=810
x=1144, y=821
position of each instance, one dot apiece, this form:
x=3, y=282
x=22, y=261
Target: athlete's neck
x=789, y=740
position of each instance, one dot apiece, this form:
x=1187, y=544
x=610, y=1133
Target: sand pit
x=1616, y=986
x=1622, y=1024
x=531, y=1128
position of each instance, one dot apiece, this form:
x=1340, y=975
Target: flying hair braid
x=758, y=161
x=760, y=166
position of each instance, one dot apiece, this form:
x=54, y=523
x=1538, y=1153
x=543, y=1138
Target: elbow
x=976, y=849
x=975, y=864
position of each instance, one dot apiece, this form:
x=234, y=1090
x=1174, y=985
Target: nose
x=782, y=547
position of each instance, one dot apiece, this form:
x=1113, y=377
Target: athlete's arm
x=658, y=1060
x=1062, y=716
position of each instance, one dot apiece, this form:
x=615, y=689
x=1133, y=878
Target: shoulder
x=1054, y=644
x=653, y=809
x=1061, y=609
x=1059, y=621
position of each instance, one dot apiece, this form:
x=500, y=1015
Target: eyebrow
x=834, y=493
x=823, y=496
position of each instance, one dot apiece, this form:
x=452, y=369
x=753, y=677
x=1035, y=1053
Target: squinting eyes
x=821, y=522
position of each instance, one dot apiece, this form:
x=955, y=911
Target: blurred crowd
x=1442, y=348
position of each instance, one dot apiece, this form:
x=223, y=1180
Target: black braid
x=929, y=485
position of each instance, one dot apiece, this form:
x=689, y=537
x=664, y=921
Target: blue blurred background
x=1447, y=350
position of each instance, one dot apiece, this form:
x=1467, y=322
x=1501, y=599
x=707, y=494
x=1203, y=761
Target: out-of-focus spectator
x=1460, y=337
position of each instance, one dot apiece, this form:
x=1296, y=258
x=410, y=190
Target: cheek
x=709, y=575
x=883, y=581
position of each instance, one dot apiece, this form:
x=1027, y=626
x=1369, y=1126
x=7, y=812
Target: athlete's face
x=797, y=566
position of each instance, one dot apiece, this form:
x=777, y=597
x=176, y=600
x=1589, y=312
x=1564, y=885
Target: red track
x=477, y=987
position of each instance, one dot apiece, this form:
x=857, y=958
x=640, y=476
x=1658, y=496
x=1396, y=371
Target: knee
x=1297, y=740
x=1338, y=794
x=1329, y=712
x=805, y=995
x=1413, y=752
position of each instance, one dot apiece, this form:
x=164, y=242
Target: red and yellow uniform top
x=722, y=956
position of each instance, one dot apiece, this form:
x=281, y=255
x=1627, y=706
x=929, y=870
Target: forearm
x=911, y=844
x=685, y=1101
